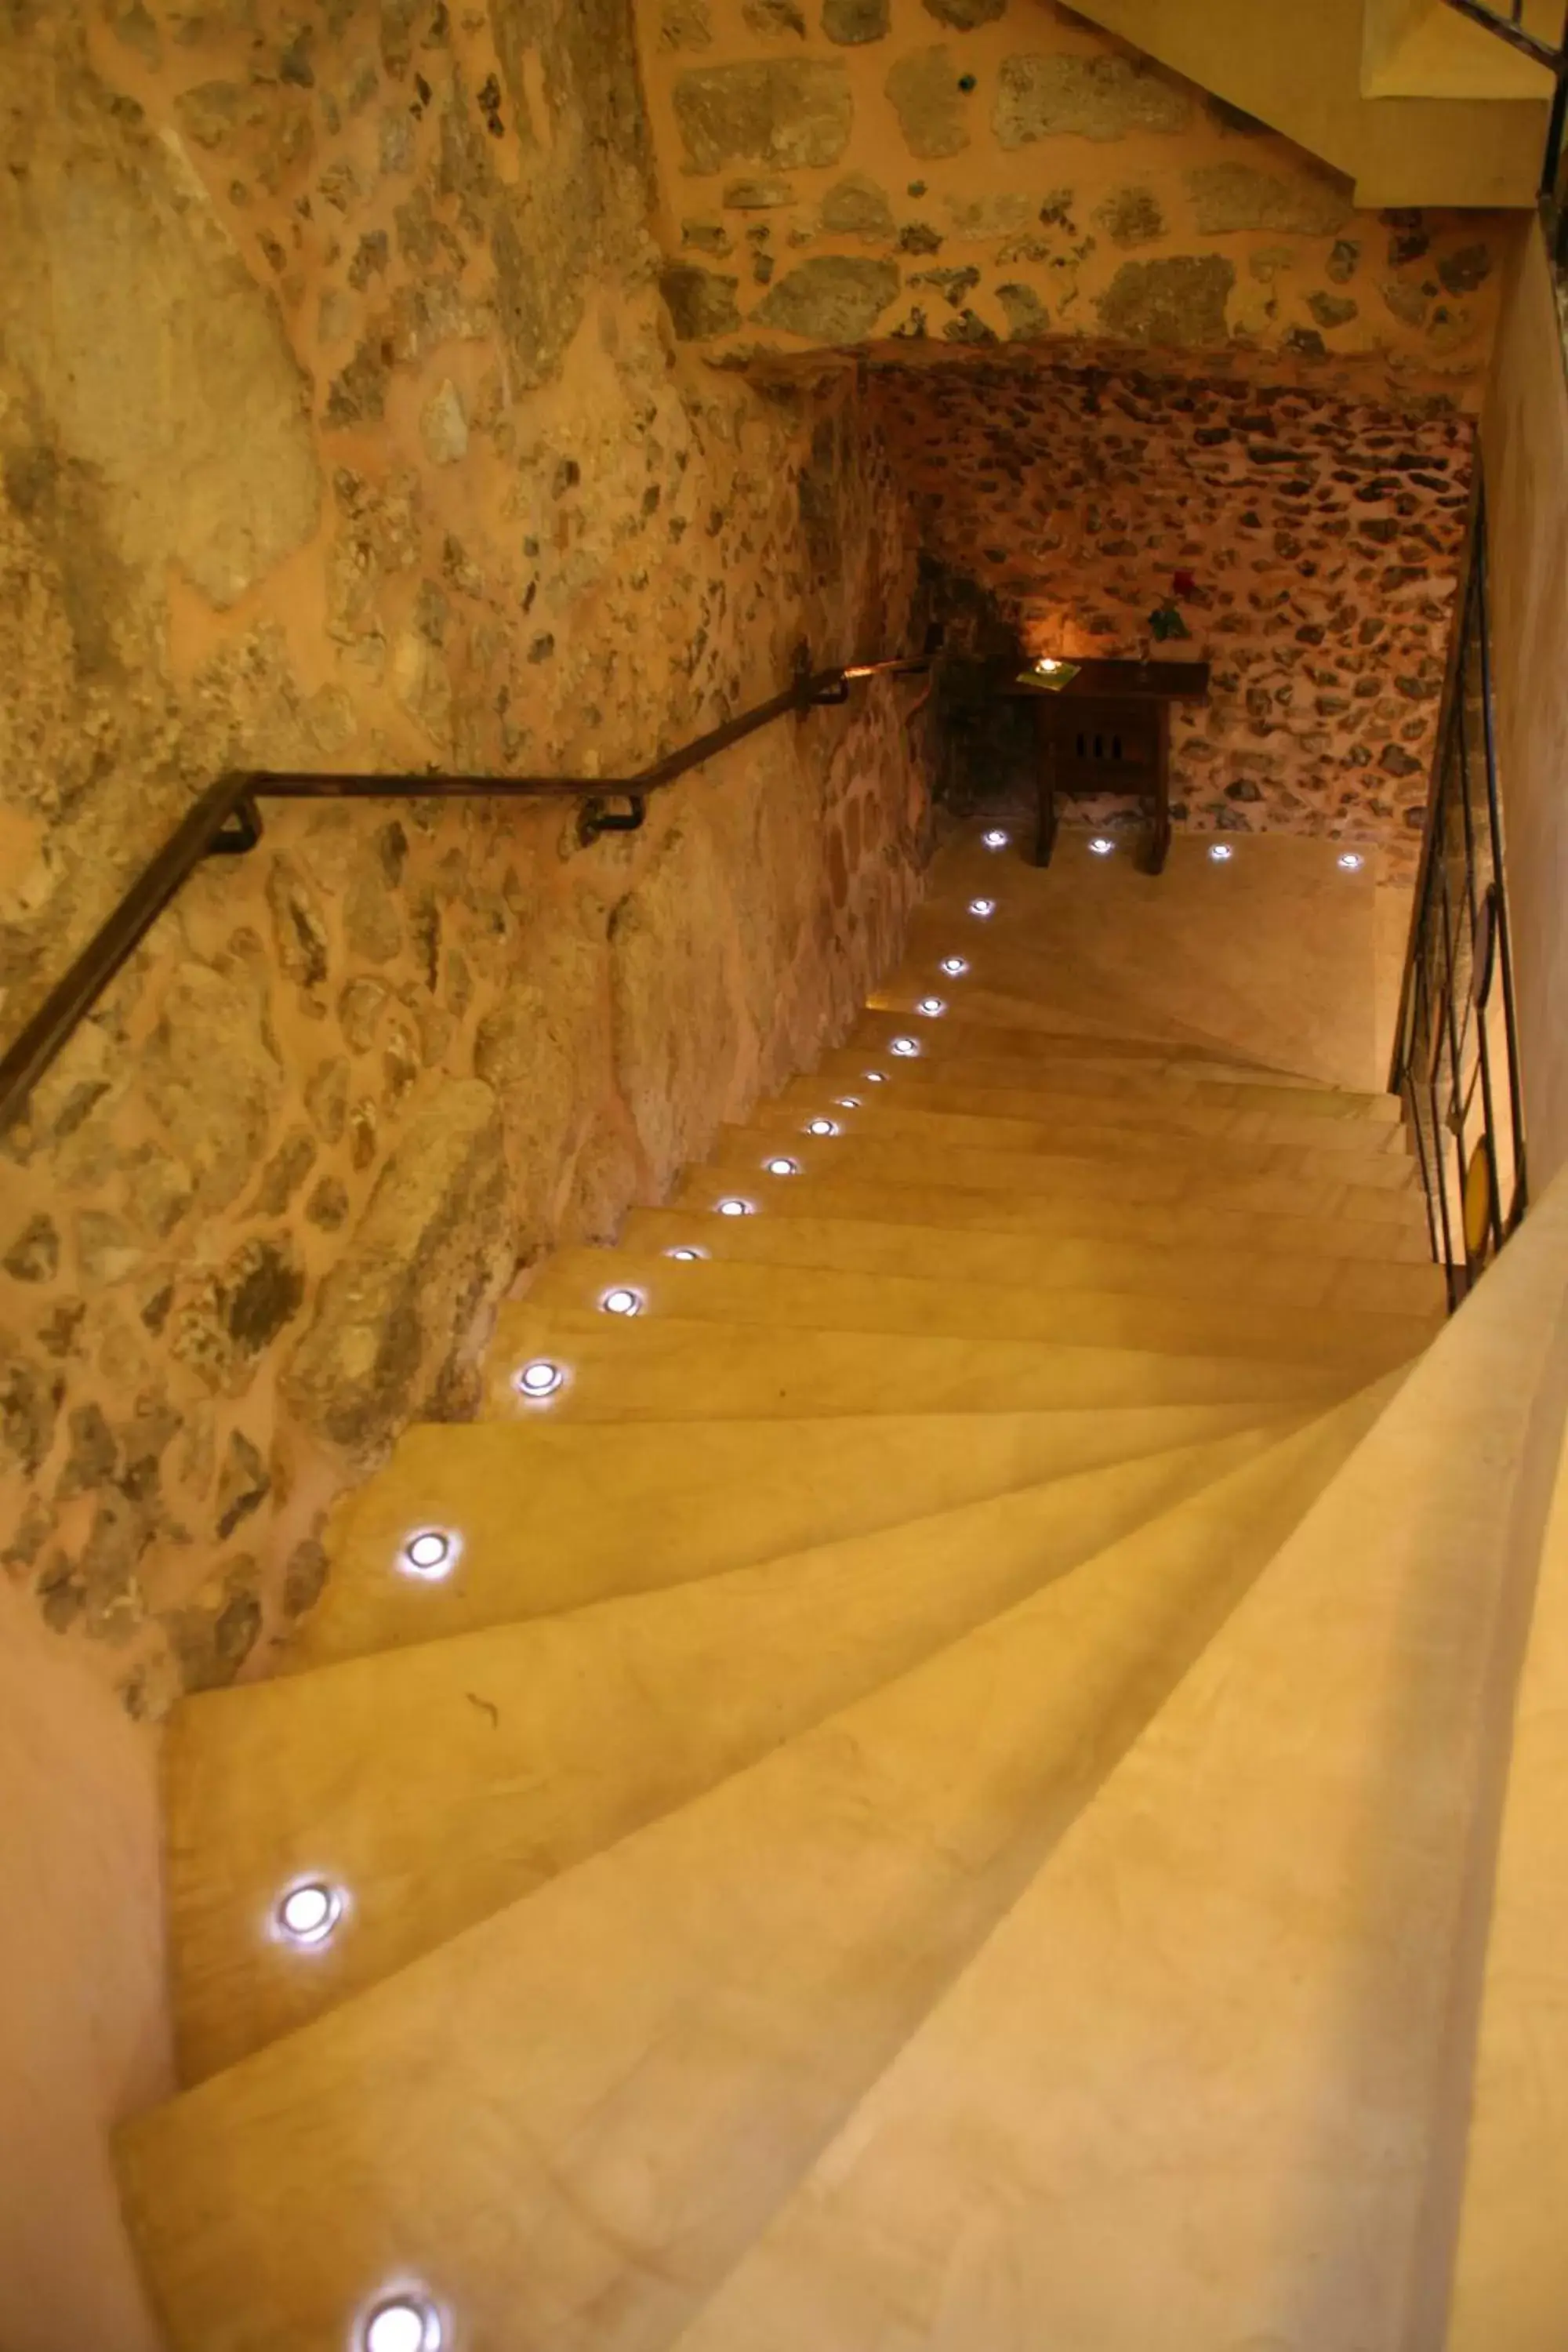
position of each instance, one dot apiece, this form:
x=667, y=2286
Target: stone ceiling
x=1321, y=530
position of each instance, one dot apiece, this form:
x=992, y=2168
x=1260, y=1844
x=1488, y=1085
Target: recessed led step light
x=955, y=967
x=782, y=1167
x=983, y=908
x=906, y=1048
x=1221, y=852
x=308, y=1914
x=622, y=1301
x=1100, y=845
x=407, y=2323
x=997, y=839
x=429, y=1552
x=733, y=1206
x=1349, y=862
x=540, y=1379
x=822, y=1127
x=686, y=1254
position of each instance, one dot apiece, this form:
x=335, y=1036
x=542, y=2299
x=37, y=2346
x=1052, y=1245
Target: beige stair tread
x=542, y=1511
x=1201, y=2086
x=1200, y=1264
x=1331, y=1123
x=571, y=2120
x=1379, y=1188
x=961, y=1039
x=1079, y=1066
x=1088, y=1214
x=543, y=1743
x=667, y=1368
x=1225, y=1138
x=791, y=1298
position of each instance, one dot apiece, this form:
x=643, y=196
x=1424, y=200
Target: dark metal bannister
x=1456, y=1057
x=226, y=821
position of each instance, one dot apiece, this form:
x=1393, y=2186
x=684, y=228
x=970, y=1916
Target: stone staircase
x=913, y=1783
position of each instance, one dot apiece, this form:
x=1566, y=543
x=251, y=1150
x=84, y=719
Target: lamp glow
x=622, y=1301
x=539, y=1379
x=1221, y=853
x=308, y=1914
x=933, y=1007
x=1101, y=845
x=822, y=1127
x=733, y=1206
x=997, y=839
x=906, y=1048
x=782, y=1167
x=430, y=1552
x=953, y=966
x=406, y=2324
x=1351, y=863
x=983, y=908
x=686, y=1255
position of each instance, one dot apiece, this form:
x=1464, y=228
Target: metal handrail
x=226, y=821
x=1446, y=1045
x=1513, y=29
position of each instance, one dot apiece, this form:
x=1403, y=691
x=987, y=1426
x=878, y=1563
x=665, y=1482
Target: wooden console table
x=1109, y=731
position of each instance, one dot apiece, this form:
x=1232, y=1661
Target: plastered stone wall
x=1322, y=530
x=969, y=171
x=340, y=425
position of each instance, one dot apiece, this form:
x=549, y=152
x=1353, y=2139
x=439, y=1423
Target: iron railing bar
x=1483, y=1044
x=1452, y=682
x=1504, y=948
x=1456, y=1106
x=31, y=1053
x=1438, y=1166
x=1516, y=36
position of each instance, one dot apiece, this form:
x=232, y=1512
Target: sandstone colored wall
x=969, y=171
x=339, y=426
x=1524, y=434
x=1322, y=532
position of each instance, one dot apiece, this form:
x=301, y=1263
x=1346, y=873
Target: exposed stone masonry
x=1069, y=185
x=339, y=426
x=1322, y=531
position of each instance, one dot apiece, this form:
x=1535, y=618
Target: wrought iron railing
x=1506, y=19
x=226, y=821
x=1456, y=1060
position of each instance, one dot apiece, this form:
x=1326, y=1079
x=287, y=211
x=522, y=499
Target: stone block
x=700, y=302
x=1051, y=97
x=831, y=299
x=922, y=88
x=1227, y=197
x=786, y=112
x=1180, y=301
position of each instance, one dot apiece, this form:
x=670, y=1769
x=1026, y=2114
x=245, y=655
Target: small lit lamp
x=1049, y=674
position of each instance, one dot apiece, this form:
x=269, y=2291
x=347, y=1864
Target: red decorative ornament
x=1182, y=584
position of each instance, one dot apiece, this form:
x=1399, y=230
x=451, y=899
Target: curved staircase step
x=1201, y=1264
x=571, y=2120
x=1087, y=1213
x=542, y=1743
x=926, y=1301
x=1230, y=1139
x=1105, y=1079
x=927, y=1108
x=548, y=1515
x=667, y=1368
x=1298, y=1183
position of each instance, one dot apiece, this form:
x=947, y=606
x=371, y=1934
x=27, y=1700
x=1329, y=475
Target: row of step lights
x=310, y=1912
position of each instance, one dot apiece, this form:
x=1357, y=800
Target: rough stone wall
x=339, y=426
x=983, y=171
x=1323, y=533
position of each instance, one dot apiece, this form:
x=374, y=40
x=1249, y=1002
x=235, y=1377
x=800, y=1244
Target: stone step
x=540, y=1522
x=1085, y=1129
x=1001, y=1090
x=1195, y=1265
x=665, y=1369
x=1299, y=1182
x=962, y=1038
x=791, y=1298
x=1089, y=1214
x=571, y=2120
x=544, y=1742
